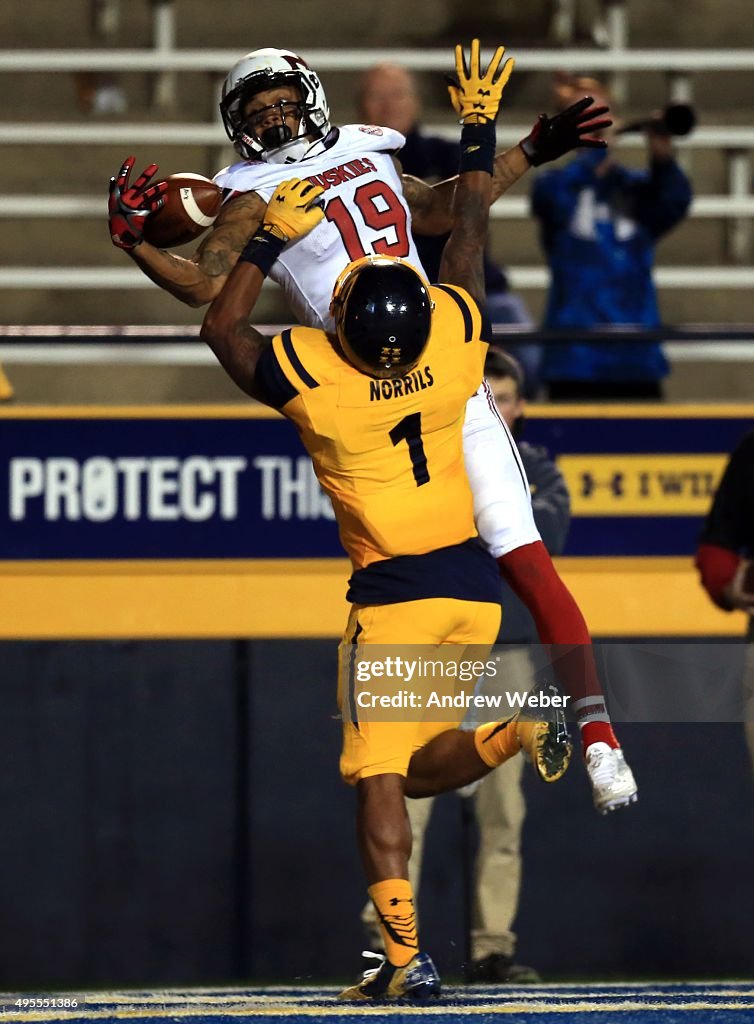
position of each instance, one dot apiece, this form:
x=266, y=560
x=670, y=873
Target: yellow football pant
x=381, y=740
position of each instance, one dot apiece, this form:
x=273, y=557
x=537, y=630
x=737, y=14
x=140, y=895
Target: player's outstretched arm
x=431, y=205
x=476, y=97
x=549, y=139
x=194, y=281
x=292, y=212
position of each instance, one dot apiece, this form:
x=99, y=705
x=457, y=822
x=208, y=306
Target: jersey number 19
x=381, y=210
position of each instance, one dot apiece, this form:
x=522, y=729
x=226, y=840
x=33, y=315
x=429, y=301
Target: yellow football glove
x=293, y=209
x=476, y=96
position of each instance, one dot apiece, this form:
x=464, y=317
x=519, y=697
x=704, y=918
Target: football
x=192, y=203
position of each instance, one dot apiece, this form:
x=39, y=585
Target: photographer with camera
x=599, y=225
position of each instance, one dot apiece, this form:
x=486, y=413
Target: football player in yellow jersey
x=380, y=406
x=385, y=437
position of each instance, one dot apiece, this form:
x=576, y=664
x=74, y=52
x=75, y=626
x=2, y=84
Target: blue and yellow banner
x=144, y=484
x=228, y=483
x=641, y=478
x=208, y=521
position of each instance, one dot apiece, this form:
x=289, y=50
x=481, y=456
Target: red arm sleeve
x=717, y=567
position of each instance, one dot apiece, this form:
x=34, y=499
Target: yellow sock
x=495, y=742
x=394, y=902
x=6, y=388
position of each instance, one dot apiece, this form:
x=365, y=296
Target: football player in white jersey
x=365, y=211
x=276, y=114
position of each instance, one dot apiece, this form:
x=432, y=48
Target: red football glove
x=551, y=137
x=129, y=205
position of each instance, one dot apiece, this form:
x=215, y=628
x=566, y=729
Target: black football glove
x=551, y=137
x=128, y=206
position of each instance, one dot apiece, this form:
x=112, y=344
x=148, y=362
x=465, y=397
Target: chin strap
x=275, y=136
x=280, y=145
x=290, y=153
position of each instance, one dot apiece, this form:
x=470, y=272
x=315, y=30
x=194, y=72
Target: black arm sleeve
x=730, y=523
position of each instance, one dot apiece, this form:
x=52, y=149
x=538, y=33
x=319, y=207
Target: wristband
x=478, y=147
x=263, y=249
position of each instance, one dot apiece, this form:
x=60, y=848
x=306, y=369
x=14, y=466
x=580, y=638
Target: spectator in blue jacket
x=388, y=95
x=599, y=225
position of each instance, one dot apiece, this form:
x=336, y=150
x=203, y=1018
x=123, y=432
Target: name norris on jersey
x=417, y=380
x=344, y=172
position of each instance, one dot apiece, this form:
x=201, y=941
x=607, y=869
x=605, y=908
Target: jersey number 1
x=410, y=430
x=381, y=210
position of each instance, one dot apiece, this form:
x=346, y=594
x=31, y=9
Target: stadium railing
x=521, y=278
x=179, y=345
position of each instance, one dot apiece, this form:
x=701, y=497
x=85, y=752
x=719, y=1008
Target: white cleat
x=613, y=783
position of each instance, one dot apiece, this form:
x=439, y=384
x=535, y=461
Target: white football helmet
x=265, y=69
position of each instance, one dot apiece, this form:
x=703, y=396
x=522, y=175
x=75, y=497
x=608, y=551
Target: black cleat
x=547, y=744
x=417, y=981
